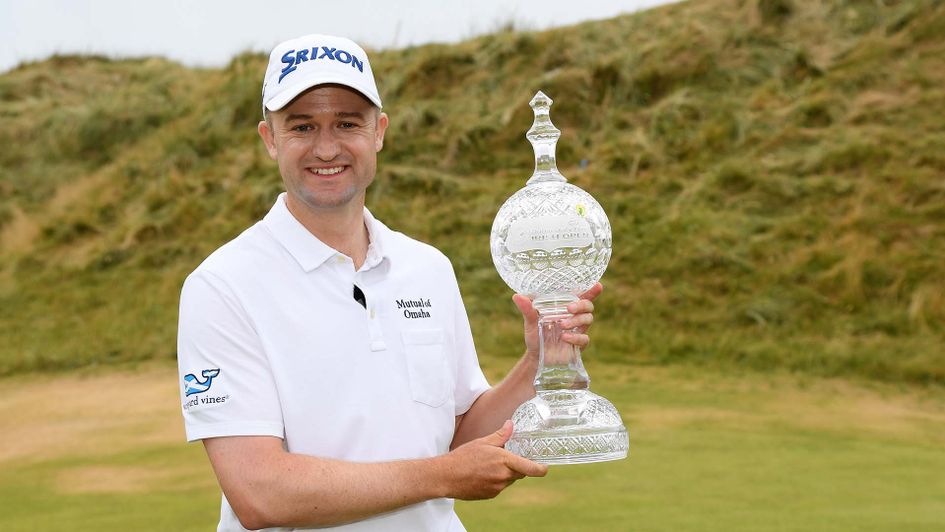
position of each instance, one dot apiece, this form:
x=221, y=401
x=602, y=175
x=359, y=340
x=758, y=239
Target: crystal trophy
x=551, y=241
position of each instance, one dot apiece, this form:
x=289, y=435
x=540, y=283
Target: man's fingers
x=578, y=339
x=581, y=306
x=578, y=320
x=526, y=467
x=516, y=476
x=593, y=292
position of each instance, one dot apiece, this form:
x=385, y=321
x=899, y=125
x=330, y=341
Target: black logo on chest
x=415, y=308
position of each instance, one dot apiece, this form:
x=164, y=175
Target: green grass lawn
x=708, y=452
x=743, y=453
x=173, y=489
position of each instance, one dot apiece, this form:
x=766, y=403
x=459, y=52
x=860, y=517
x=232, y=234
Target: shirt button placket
x=374, y=324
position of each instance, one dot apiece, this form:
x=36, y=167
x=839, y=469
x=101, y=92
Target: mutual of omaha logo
x=293, y=58
x=415, y=308
x=193, y=385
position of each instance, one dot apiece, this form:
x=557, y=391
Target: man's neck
x=342, y=228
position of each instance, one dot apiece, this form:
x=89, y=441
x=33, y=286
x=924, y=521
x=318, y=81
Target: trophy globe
x=551, y=241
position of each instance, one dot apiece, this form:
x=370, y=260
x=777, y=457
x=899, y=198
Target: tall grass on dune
x=773, y=171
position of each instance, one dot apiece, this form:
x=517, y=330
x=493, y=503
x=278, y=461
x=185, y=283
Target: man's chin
x=318, y=202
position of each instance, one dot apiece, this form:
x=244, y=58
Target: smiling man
x=345, y=388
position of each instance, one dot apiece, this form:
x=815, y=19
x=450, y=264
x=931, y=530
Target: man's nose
x=327, y=146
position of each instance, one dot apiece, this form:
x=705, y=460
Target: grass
x=708, y=452
x=81, y=493
x=772, y=171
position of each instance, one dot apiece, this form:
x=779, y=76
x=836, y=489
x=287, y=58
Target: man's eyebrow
x=339, y=114
x=349, y=114
x=298, y=117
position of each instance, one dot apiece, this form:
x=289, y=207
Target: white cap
x=299, y=64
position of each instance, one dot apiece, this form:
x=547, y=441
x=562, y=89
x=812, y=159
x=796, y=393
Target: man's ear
x=382, y=122
x=265, y=133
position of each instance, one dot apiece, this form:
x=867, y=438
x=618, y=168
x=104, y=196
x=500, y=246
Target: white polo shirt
x=271, y=342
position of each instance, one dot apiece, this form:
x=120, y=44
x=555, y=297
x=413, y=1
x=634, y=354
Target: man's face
x=326, y=143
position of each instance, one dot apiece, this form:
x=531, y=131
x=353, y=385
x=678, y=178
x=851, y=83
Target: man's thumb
x=525, y=307
x=499, y=437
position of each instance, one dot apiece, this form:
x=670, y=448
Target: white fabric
x=297, y=357
x=304, y=62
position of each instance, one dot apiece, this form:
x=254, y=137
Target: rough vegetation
x=773, y=171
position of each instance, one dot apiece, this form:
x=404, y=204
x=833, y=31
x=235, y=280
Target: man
x=326, y=361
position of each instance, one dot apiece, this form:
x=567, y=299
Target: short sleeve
x=470, y=381
x=226, y=383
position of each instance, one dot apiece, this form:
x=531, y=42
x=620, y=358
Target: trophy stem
x=559, y=363
x=565, y=423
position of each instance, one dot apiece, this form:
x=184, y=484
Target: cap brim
x=287, y=95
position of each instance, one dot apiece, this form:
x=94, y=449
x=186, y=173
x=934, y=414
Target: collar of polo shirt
x=307, y=249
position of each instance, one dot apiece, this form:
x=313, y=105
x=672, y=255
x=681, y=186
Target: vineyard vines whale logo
x=193, y=385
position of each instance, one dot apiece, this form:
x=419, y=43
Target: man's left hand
x=576, y=326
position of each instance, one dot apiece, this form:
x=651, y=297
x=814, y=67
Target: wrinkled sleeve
x=470, y=381
x=226, y=383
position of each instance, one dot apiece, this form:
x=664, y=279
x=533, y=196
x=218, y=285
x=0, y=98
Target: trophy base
x=568, y=427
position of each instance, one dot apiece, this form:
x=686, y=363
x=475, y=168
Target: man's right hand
x=269, y=487
x=482, y=468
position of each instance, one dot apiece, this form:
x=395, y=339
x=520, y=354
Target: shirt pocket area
x=426, y=366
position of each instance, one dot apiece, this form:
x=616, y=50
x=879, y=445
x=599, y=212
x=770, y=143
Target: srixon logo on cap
x=292, y=59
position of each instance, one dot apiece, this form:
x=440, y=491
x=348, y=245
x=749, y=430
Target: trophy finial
x=541, y=100
x=544, y=137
